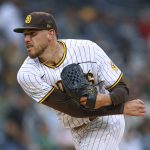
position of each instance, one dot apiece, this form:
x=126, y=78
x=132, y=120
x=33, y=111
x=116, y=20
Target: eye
x=25, y=34
x=32, y=34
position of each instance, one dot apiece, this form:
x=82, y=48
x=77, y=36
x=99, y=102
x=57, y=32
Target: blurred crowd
x=120, y=27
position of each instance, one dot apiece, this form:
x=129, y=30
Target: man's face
x=36, y=42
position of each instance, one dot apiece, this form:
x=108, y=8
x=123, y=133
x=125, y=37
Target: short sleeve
x=34, y=86
x=108, y=72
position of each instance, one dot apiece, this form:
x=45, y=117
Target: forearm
x=62, y=102
x=103, y=100
x=118, y=95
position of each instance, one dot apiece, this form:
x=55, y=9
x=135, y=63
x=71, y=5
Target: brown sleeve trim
x=120, y=93
x=47, y=95
x=112, y=86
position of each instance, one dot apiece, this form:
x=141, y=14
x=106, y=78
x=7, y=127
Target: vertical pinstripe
x=37, y=80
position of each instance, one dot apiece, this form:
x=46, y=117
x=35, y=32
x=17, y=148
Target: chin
x=32, y=56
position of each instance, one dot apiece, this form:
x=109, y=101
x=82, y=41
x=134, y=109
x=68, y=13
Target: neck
x=53, y=55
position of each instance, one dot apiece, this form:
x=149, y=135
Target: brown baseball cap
x=38, y=21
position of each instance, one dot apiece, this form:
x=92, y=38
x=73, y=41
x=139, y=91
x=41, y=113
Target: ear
x=51, y=34
x=48, y=36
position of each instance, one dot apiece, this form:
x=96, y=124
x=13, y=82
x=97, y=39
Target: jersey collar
x=62, y=59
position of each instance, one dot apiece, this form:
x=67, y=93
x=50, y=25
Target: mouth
x=29, y=47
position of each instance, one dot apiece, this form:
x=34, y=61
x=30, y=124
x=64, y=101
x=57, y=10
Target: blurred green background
x=120, y=27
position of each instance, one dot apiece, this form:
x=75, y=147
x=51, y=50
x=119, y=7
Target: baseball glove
x=77, y=86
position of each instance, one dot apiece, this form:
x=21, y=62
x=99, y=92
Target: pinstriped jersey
x=38, y=80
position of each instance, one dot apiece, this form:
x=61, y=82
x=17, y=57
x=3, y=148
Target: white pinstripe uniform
x=37, y=80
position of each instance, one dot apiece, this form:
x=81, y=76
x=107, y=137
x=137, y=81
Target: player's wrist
x=103, y=100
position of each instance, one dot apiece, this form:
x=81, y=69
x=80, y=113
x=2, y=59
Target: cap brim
x=21, y=30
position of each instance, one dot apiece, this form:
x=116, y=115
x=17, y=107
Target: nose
x=27, y=38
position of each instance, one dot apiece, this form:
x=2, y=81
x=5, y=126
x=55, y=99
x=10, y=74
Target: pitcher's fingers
x=83, y=103
x=142, y=110
x=140, y=101
x=142, y=114
x=139, y=114
x=83, y=99
x=142, y=107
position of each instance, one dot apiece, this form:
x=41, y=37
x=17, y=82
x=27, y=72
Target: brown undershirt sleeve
x=120, y=93
x=62, y=102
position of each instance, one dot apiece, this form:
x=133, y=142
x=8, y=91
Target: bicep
x=34, y=86
x=108, y=72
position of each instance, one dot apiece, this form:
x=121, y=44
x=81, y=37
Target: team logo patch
x=48, y=26
x=28, y=19
x=113, y=66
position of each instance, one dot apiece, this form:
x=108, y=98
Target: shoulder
x=30, y=63
x=77, y=42
x=29, y=66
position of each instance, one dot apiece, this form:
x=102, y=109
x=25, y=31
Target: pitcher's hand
x=135, y=107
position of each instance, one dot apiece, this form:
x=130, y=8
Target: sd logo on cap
x=28, y=19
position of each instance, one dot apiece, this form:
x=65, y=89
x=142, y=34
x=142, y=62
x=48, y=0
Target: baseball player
x=100, y=128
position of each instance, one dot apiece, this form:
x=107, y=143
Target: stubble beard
x=38, y=52
x=35, y=55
